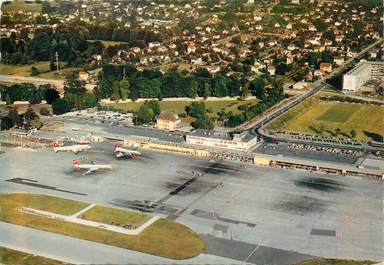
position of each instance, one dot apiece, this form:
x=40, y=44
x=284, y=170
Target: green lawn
x=14, y=257
x=213, y=106
x=163, y=238
x=339, y=113
x=23, y=70
x=116, y=216
x=43, y=68
x=42, y=202
x=20, y=5
x=321, y=117
x=334, y=262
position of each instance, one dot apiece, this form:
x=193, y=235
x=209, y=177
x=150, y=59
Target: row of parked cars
x=324, y=149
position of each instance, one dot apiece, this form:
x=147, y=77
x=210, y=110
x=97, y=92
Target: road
x=259, y=122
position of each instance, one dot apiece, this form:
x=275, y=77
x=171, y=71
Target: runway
x=281, y=215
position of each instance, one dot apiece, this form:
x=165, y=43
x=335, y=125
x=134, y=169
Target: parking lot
x=334, y=155
x=288, y=215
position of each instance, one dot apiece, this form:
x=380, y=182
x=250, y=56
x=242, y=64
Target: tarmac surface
x=260, y=215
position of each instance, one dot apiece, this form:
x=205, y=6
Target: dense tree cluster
x=29, y=119
x=70, y=43
x=28, y=92
x=75, y=97
x=198, y=111
x=120, y=82
x=148, y=112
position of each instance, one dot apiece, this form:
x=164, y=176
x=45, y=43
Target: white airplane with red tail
x=71, y=148
x=122, y=152
x=89, y=167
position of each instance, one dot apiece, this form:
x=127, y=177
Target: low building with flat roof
x=222, y=139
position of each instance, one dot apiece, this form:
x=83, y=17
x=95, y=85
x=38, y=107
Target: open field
x=319, y=117
x=23, y=69
x=163, y=238
x=20, y=5
x=14, y=257
x=213, y=106
x=334, y=262
x=43, y=68
x=108, y=215
x=108, y=43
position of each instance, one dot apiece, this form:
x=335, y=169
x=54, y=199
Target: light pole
x=57, y=61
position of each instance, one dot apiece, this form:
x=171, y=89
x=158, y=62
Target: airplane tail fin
x=75, y=163
x=116, y=146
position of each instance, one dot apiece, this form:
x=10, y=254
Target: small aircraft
x=71, y=148
x=90, y=167
x=122, y=152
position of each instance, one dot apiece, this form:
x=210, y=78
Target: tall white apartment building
x=361, y=73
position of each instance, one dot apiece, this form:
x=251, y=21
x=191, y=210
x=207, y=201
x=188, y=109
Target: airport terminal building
x=363, y=72
x=222, y=139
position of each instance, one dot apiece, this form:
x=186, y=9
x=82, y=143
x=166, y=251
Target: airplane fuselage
x=73, y=148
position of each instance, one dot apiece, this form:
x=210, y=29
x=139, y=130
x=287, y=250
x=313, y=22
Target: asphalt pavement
x=284, y=213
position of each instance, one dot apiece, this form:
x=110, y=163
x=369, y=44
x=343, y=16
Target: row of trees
x=122, y=82
x=28, y=92
x=76, y=96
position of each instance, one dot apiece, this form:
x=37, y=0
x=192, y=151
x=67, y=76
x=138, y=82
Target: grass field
x=163, y=238
x=20, y=5
x=213, y=106
x=334, y=262
x=108, y=215
x=43, y=68
x=319, y=117
x=23, y=70
x=14, y=257
x=108, y=43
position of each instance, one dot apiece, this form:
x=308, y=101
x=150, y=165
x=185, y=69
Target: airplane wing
x=89, y=171
x=119, y=154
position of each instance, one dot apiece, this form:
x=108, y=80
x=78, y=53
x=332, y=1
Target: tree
x=115, y=91
x=196, y=109
x=34, y=71
x=337, y=131
x=75, y=86
x=206, y=90
x=15, y=117
x=257, y=87
x=120, y=90
x=6, y=123
x=30, y=115
x=8, y=100
x=89, y=100
x=353, y=134
x=52, y=66
x=60, y=106
x=204, y=123
x=145, y=114
x=154, y=105
x=49, y=94
x=44, y=111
